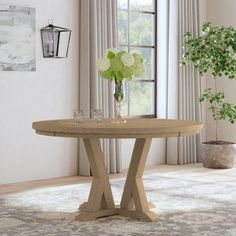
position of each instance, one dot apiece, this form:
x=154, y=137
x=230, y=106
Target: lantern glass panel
x=55, y=42
x=47, y=37
x=63, y=43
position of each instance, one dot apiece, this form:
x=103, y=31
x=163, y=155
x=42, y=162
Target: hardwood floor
x=24, y=186
x=61, y=181
x=196, y=171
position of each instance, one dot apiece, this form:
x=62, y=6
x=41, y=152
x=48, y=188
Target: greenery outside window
x=137, y=22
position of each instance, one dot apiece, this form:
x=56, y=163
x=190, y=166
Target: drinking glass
x=96, y=115
x=78, y=115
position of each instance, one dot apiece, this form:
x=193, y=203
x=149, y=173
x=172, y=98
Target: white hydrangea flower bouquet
x=117, y=66
x=120, y=65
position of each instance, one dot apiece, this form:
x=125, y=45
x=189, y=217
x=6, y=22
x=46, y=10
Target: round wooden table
x=134, y=203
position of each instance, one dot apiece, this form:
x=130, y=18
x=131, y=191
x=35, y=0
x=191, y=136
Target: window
x=137, y=32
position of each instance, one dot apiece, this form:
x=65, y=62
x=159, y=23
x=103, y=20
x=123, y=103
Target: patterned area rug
x=186, y=206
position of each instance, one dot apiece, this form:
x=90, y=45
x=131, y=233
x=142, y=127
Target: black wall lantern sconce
x=55, y=41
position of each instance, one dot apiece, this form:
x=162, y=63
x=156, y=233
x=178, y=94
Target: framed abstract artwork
x=17, y=38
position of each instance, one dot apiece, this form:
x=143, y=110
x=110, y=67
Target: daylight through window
x=137, y=32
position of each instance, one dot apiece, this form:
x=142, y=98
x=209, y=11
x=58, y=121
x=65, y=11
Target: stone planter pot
x=218, y=156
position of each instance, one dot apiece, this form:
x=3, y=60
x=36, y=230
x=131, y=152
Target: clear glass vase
x=118, y=96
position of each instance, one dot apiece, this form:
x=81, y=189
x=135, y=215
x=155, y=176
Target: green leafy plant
x=120, y=65
x=214, y=52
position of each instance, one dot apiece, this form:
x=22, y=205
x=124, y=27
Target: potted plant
x=118, y=66
x=214, y=52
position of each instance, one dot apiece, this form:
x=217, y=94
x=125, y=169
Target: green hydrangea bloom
x=128, y=67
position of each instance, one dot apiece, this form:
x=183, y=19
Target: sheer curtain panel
x=98, y=31
x=179, y=87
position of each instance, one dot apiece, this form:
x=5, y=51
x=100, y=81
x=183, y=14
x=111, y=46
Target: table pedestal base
x=139, y=215
x=134, y=203
x=93, y=215
x=85, y=215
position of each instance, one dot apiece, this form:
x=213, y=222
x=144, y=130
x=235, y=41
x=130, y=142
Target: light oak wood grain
x=133, y=128
x=134, y=202
x=100, y=196
x=133, y=190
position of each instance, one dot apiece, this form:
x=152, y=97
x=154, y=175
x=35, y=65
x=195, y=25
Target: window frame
x=154, y=47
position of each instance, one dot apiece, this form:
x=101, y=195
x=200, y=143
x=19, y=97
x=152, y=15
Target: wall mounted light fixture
x=55, y=41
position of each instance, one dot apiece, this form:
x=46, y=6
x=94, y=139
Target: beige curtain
x=98, y=31
x=182, y=84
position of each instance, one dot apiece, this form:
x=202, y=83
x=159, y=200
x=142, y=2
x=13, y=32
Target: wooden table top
x=133, y=128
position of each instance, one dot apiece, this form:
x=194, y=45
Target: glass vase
x=118, y=96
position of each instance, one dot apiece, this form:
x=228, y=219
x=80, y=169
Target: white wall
x=222, y=12
x=49, y=93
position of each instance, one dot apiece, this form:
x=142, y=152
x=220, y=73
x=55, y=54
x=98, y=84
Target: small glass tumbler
x=96, y=115
x=78, y=115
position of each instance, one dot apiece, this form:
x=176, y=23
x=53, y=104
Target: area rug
x=186, y=206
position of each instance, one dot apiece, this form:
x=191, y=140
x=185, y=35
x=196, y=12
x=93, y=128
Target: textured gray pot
x=218, y=156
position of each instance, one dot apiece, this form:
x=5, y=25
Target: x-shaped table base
x=100, y=203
